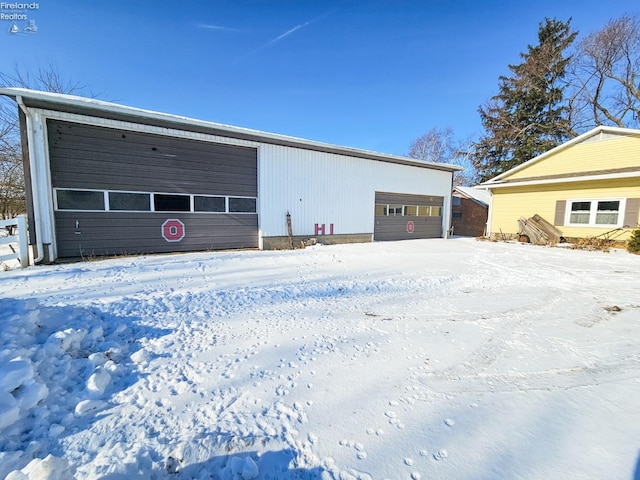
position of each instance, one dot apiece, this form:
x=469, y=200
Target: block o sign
x=410, y=226
x=173, y=230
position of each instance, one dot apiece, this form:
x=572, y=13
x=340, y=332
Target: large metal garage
x=108, y=179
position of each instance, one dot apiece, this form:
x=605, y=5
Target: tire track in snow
x=543, y=380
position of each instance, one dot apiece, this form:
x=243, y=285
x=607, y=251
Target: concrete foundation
x=283, y=243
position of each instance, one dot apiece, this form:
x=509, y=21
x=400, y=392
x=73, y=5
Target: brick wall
x=469, y=219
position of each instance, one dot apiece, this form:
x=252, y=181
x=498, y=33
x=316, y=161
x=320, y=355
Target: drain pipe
x=35, y=186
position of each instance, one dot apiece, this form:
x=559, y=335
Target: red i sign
x=410, y=226
x=173, y=230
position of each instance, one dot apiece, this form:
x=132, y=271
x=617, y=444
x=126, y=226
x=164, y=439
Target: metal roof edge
x=473, y=194
x=585, y=178
x=80, y=102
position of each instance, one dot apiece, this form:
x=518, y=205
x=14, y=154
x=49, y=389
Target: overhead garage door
x=123, y=192
x=401, y=216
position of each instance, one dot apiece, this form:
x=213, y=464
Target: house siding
x=509, y=204
x=588, y=156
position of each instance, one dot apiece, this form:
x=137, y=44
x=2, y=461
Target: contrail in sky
x=289, y=32
x=218, y=27
x=283, y=35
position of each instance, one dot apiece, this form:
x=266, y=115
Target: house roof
x=481, y=196
x=599, y=133
x=102, y=109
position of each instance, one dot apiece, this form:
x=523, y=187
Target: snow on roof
x=36, y=97
x=480, y=195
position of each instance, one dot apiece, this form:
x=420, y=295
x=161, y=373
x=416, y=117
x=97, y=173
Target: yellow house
x=586, y=187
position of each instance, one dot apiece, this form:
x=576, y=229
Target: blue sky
x=366, y=74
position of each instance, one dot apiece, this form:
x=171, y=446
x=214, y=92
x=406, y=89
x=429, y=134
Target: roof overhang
x=114, y=111
x=599, y=130
x=551, y=181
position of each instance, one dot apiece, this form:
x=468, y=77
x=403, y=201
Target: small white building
x=107, y=179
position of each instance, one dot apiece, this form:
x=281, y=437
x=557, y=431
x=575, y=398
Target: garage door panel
x=86, y=156
x=95, y=233
x=409, y=199
x=394, y=220
x=399, y=228
x=89, y=157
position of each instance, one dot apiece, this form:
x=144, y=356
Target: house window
x=594, y=213
x=608, y=212
x=456, y=201
x=456, y=215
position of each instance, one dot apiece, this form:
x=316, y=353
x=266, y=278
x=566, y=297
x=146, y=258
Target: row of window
x=593, y=212
x=103, y=200
x=396, y=210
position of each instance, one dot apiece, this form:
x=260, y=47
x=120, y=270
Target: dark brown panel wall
x=89, y=157
x=398, y=228
x=395, y=228
x=83, y=234
x=85, y=156
x=408, y=199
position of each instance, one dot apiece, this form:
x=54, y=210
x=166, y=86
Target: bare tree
x=606, y=76
x=12, y=193
x=441, y=146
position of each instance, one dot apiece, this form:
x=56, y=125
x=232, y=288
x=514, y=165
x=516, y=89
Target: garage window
x=435, y=211
x=171, y=203
x=411, y=210
x=393, y=210
x=135, y=202
x=242, y=205
x=595, y=212
x=209, y=204
x=80, y=200
x=114, y=201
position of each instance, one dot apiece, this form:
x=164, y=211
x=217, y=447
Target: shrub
x=634, y=242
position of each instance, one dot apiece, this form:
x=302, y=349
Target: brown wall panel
x=115, y=233
x=85, y=156
x=398, y=227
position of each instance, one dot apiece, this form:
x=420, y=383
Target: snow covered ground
x=438, y=359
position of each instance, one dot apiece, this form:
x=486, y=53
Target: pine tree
x=634, y=242
x=530, y=115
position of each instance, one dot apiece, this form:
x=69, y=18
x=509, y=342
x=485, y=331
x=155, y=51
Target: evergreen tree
x=530, y=115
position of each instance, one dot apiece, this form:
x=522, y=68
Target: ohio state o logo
x=173, y=230
x=410, y=226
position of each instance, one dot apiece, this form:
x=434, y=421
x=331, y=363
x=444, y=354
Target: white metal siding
x=326, y=188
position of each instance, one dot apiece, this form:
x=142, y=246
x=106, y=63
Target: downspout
x=449, y=209
x=489, y=215
x=35, y=187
